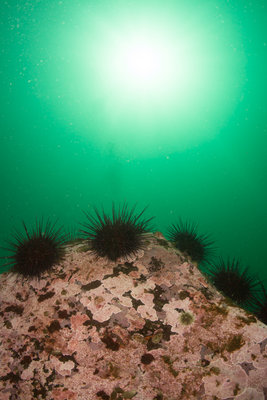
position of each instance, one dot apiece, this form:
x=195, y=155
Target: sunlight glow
x=150, y=82
x=140, y=62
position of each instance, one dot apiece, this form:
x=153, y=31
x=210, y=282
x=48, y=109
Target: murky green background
x=70, y=140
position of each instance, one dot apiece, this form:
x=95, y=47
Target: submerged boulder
x=146, y=328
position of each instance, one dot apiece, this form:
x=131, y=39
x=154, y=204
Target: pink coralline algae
x=149, y=327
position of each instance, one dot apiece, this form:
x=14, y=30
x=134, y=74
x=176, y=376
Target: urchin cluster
x=186, y=239
x=234, y=282
x=120, y=235
x=36, y=251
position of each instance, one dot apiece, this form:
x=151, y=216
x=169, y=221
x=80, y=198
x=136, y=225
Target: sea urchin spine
x=120, y=235
x=260, y=308
x=186, y=239
x=234, y=282
x=37, y=251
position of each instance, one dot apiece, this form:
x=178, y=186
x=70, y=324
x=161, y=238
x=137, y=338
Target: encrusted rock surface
x=150, y=327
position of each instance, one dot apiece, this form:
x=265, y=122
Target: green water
x=76, y=133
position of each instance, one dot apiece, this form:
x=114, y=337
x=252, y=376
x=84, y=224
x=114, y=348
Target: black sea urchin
x=234, y=282
x=120, y=235
x=260, y=308
x=261, y=313
x=36, y=251
x=186, y=239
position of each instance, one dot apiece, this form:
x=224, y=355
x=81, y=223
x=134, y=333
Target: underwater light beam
x=168, y=78
x=139, y=63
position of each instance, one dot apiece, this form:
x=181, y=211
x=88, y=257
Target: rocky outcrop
x=149, y=327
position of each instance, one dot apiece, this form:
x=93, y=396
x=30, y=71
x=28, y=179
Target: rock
x=150, y=327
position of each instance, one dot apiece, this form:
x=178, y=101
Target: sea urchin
x=234, y=282
x=186, y=239
x=36, y=251
x=260, y=308
x=120, y=235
